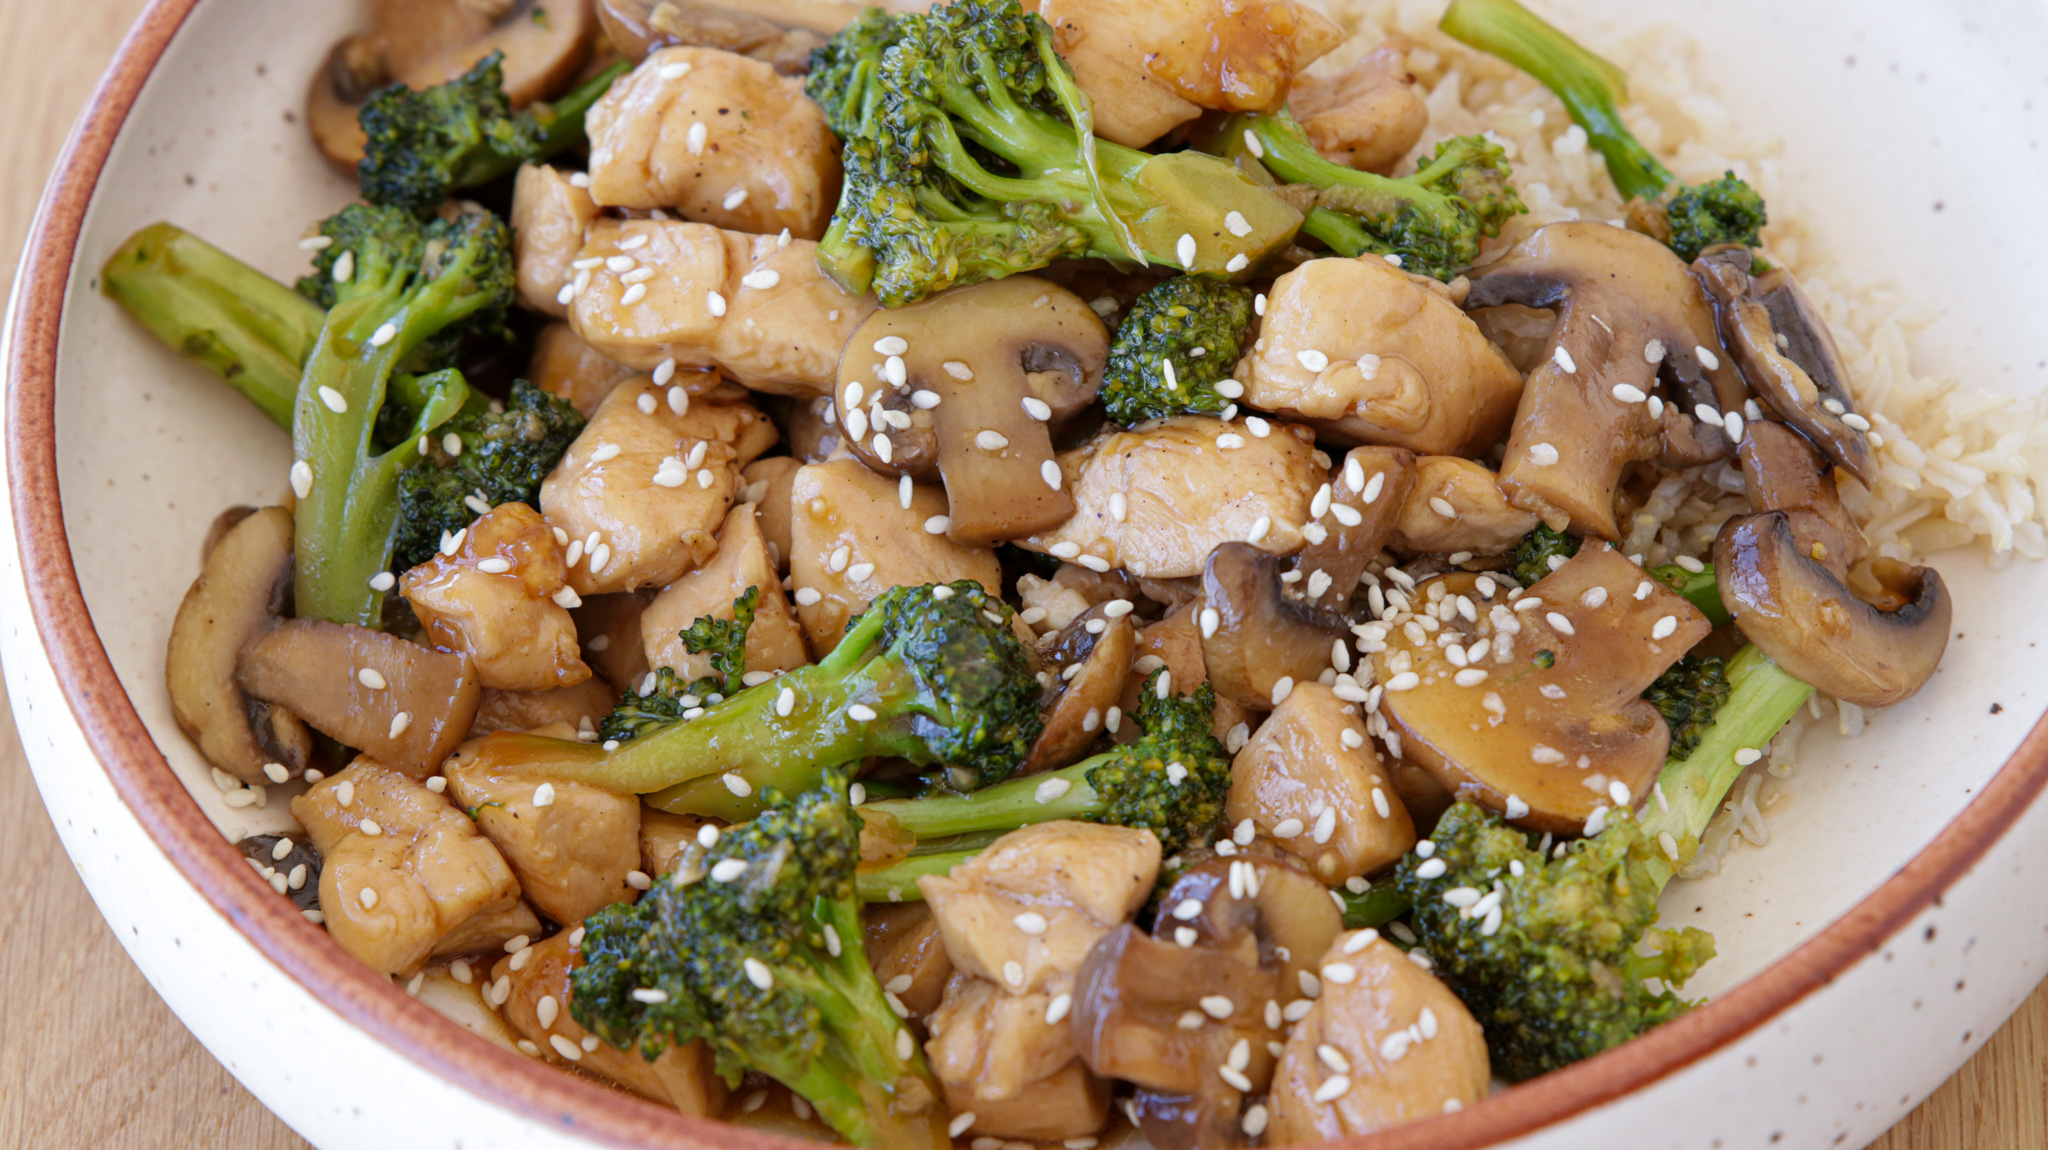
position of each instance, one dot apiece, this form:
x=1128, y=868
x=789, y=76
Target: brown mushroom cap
x=1103, y=646
x=780, y=33
x=1627, y=315
x=1801, y=615
x=1262, y=633
x=1367, y=492
x=975, y=355
x=318, y=670
x=1542, y=738
x=238, y=595
x=1784, y=472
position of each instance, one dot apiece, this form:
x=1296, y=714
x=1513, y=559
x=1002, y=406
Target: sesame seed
x=369, y=677
x=1431, y=868
x=1653, y=351
x=1469, y=677
x=544, y=795
x=1051, y=789
x=1442, y=507
x=1629, y=393
x=1312, y=359
x=674, y=71
x=1562, y=625
x=737, y=784
x=302, y=478
x=1517, y=808
x=1051, y=473
x=728, y=870
x=861, y=713
x=633, y=295
x=1259, y=304
x=1254, y=1121
x=1235, y=223
x=1229, y=441
x=991, y=440
x=495, y=565
x=335, y=401
x=1733, y=422
x=1252, y=145
x=1543, y=454
x=1260, y=526
x=938, y=525
x=1333, y=1058
x=856, y=424
x=1287, y=828
x=383, y=581
x=1237, y=263
x=1282, y=688
x=1335, y=1086
x=1708, y=359
x=734, y=199
x=1185, y=250
x=924, y=399
x=1744, y=756
x=1013, y=973
x=1664, y=627
x=761, y=279
x=368, y=898
x=1341, y=973
x=1030, y=922
x=600, y=558
x=1856, y=421
x=1405, y=681
x=399, y=722
x=1619, y=792
x=860, y=572
x=1563, y=359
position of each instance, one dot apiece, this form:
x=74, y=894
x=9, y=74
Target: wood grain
x=90, y=1057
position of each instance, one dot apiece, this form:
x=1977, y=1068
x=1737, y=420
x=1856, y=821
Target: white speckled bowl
x=1891, y=926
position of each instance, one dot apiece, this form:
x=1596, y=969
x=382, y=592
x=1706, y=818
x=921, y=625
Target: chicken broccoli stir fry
x=1016, y=570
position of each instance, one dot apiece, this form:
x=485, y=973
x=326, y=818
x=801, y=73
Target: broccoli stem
x=561, y=128
x=1377, y=905
x=1591, y=88
x=1698, y=588
x=897, y=882
x=1003, y=807
x=212, y=308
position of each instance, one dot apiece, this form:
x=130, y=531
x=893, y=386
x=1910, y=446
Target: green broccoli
x=1545, y=948
x=503, y=452
x=933, y=674
x=763, y=960
x=421, y=145
x=1429, y=223
x=1172, y=781
x=1720, y=211
x=970, y=155
x=1532, y=556
x=1689, y=694
x=665, y=697
x=1181, y=338
x=210, y=307
x=1532, y=561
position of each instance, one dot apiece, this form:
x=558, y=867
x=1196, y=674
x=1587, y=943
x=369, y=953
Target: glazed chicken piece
x=718, y=137
x=502, y=599
x=903, y=942
x=1412, y=1049
x=531, y=988
x=1368, y=116
x=756, y=307
x=670, y=842
x=851, y=538
x=1313, y=782
x=550, y=214
x=999, y=1059
x=1457, y=505
x=401, y=869
x=564, y=365
x=768, y=486
x=646, y=486
x=1368, y=355
x=579, y=708
x=573, y=846
x=774, y=642
x=1156, y=501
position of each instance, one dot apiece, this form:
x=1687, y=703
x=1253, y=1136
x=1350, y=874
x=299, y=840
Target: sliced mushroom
x=1261, y=635
x=399, y=703
x=1100, y=646
x=290, y=865
x=238, y=595
x=1628, y=319
x=1539, y=715
x=779, y=34
x=1783, y=472
x=1784, y=350
x=969, y=387
x=1366, y=496
x=1801, y=615
x=903, y=941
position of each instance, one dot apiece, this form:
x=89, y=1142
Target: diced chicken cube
x=851, y=539
x=644, y=491
x=401, y=869
x=1367, y=116
x=500, y=598
x=774, y=642
x=1457, y=505
x=1312, y=781
x=578, y=708
x=768, y=483
x=488, y=933
x=564, y=365
x=1156, y=501
x=1413, y=1049
x=1367, y=355
x=549, y=216
x=752, y=306
x=1011, y=1063
x=718, y=137
x=609, y=628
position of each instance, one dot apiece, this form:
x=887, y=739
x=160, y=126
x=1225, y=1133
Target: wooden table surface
x=90, y=1057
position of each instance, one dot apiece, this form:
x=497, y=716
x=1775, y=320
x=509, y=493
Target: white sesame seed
x=1217, y=1006
x=1260, y=527
x=1185, y=250
x=1431, y=869
x=1629, y=393
x=1744, y=756
x=1563, y=359
x=737, y=784
x=1562, y=625
x=938, y=525
x=1051, y=789
x=1653, y=351
x=371, y=678
x=1856, y=421
x=1405, y=681
x=1237, y=263
x=761, y=279
x=734, y=199
x=544, y=795
x=1013, y=973
x=1619, y=792
x=1664, y=627
x=1282, y=688
x=1335, y=1086
x=1543, y=454
x=958, y=370
x=368, y=898
x=1030, y=922
x=1050, y=472
x=1708, y=359
x=990, y=440
x=1229, y=441
x=1312, y=359
x=861, y=713
x=633, y=294
x=860, y=572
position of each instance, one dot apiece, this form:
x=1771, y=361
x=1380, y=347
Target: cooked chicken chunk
x=550, y=213
x=564, y=365
x=579, y=708
x=488, y=933
x=1156, y=501
x=1150, y=66
x=400, y=868
x=1311, y=781
x=768, y=483
x=1457, y=505
x=774, y=641
x=1076, y=879
x=571, y=844
x=851, y=539
x=1000, y=1059
x=669, y=842
x=1368, y=116
x=1367, y=355
x=1413, y=1049
x=908, y=953
x=500, y=598
x=753, y=306
x=532, y=989
x=644, y=489
x=609, y=627
x=718, y=137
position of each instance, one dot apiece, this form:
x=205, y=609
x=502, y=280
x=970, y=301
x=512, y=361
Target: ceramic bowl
x=1891, y=926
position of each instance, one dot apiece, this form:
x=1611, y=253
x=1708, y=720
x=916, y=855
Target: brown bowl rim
x=153, y=793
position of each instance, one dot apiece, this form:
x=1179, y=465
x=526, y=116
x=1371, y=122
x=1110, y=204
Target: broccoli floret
x=407, y=283
x=970, y=155
x=933, y=674
x=504, y=456
x=1429, y=223
x=1721, y=211
x=423, y=144
x=763, y=961
x=1689, y=694
x=1533, y=554
x=1543, y=947
x=666, y=697
x=1180, y=339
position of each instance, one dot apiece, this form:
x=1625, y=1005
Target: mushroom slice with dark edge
x=1797, y=612
x=1357, y=517
x=289, y=864
x=1784, y=351
x=399, y=703
x=781, y=33
x=1100, y=642
x=969, y=386
x=1186, y=1012
x=1540, y=713
x=1261, y=640
x=1783, y=472
x=1628, y=316
x=238, y=595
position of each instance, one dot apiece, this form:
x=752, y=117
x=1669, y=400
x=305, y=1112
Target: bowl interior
x=1887, y=112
